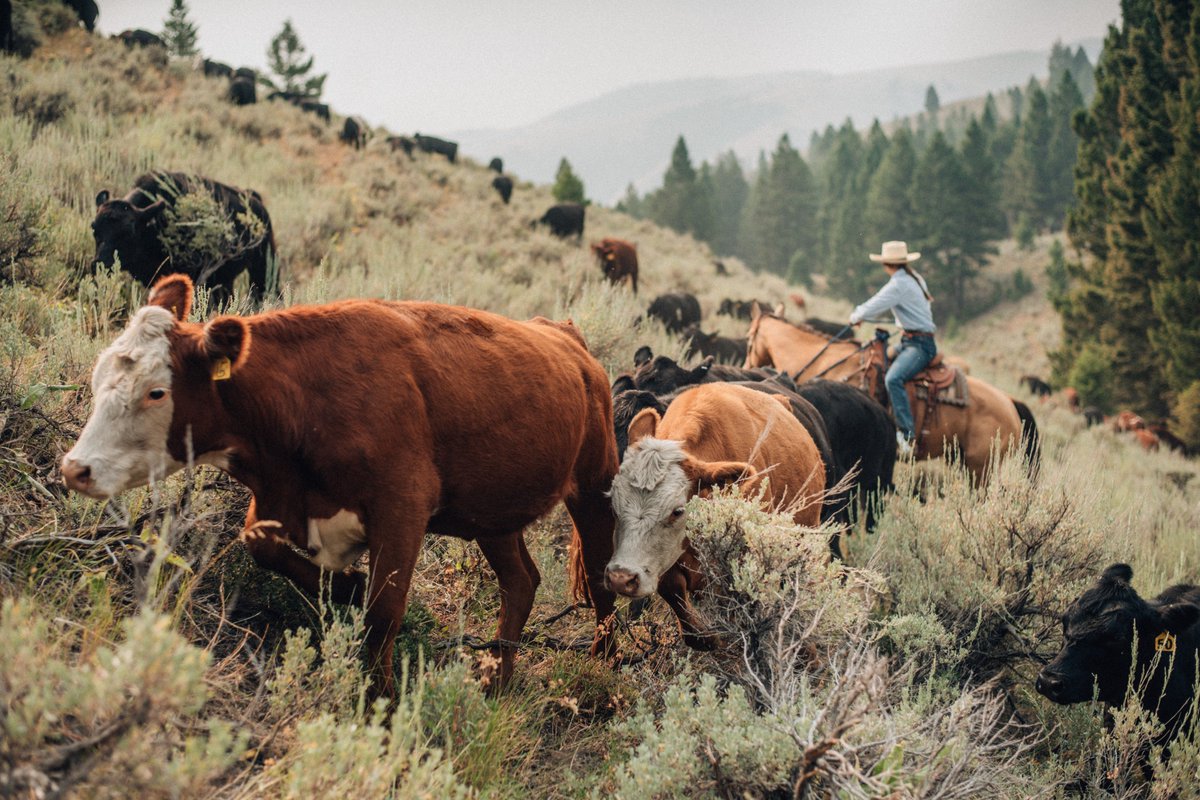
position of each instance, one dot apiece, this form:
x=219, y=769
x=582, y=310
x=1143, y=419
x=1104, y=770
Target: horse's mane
x=804, y=326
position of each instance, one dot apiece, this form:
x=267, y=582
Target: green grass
x=159, y=576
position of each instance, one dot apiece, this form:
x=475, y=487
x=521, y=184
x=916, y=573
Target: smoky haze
x=443, y=67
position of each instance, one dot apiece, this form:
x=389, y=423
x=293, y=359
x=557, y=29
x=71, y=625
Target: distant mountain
x=627, y=135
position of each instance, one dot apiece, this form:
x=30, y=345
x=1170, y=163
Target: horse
x=990, y=419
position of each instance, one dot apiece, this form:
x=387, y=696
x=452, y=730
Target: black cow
x=129, y=227
x=355, y=132
x=496, y=165
x=401, y=143
x=564, y=219
x=724, y=349
x=740, y=309
x=863, y=438
x=432, y=144
x=663, y=375
x=249, y=73
x=87, y=11
x=315, y=107
x=242, y=92
x=1036, y=385
x=627, y=404
x=1099, y=650
x=1093, y=416
x=503, y=186
x=215, y=69
x=140, y=38
x=7, y=43
x=676, y=311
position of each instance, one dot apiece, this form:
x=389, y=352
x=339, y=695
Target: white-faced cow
x=709, y=436
x=360, y=425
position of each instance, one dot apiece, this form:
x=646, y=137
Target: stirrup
x=904, y=446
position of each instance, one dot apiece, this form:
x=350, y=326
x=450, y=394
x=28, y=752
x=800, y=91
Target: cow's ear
x=102, y=197
x=755, y=310
x=1178, y=617
x=174, y=293
x=227, y=343
x=707, y=474
x=702, y=368
x=1118, y=572
x=779, y=310
x=643, y=425
x=151, y=211
x=643, y=355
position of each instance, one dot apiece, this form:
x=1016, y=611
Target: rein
x=821, y=352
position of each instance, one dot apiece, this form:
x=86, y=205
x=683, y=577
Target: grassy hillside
x=142, y=654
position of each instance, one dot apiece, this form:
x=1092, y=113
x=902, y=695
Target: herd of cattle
x=337, y=472
x=1151, y=436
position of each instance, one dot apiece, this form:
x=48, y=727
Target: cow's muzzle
x=624, y=582
x=77, y=476
x=1050, y=685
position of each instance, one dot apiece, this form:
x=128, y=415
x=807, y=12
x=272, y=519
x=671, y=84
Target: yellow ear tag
x=221, y=369
x=1164, y=643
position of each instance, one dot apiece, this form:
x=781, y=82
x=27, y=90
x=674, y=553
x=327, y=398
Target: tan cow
x=709, y=436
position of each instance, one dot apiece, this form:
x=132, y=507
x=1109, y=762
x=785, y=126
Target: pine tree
x=286, y=58
x=782, y=214
x=1131, y=182
x=839, y=220
x=676, y=204
x=981, y=189
x=632, y=203
x=568, y=188
x=178, y=31
x=730, y=192
x=1026, y=181
x=889, y=209
x=932, y=103
x=1061, y=150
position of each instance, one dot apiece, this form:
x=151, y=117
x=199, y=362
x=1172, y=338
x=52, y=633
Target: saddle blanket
x=953, y=393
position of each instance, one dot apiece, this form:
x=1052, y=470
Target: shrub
x=44, y=100
x=21, y=226
x=1092, y=377
x=119, y=721
x=1186, y=416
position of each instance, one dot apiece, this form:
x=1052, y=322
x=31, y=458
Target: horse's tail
x=1031, y=438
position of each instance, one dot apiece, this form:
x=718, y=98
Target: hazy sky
x=436, y=65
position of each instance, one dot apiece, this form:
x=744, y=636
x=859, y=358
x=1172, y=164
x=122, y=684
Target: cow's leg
x=273, y=552
x=592, y=516
x=393, y=543
x=518, y=578
x=673, y=587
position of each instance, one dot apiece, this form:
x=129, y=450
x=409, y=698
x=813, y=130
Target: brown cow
x=1146, y=438
x=709, y=436
x=1128, y=421
x=360, y=425
x=1072, y=397
x=618, y=259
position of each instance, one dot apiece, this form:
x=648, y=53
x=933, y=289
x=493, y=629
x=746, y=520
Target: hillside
x=142, y=653
x=626, y=136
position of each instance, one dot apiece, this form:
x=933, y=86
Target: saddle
x=945, y=383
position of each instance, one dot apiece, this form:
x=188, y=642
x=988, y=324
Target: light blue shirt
x=906, y=299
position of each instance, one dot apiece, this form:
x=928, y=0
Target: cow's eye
x=677, y=513
x=154, y=395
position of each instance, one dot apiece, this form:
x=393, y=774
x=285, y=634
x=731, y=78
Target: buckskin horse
x=989, y=418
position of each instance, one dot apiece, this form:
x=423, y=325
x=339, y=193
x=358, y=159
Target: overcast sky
x=438, y=65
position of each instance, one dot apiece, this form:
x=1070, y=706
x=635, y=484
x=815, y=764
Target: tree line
x=1130, y=296
x=950, y=183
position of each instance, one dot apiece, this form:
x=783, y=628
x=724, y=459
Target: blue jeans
x=914, y=354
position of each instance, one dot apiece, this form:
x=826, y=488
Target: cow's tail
x=1030, y=437
x=577, y=572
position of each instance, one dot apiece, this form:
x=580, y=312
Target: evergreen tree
x=675, y=204
x=782, y=214
x=1061, y=150
x=632, y=203
x=1026, y=181
x=286, y=58
x=178, y=31
x=1136, y=167
x=932, y=103
x=568, y=188
x=1081, y=68
x=839, y=221
x=889, y=209
x=947, y=234
x=730, y=191
x=981, y=189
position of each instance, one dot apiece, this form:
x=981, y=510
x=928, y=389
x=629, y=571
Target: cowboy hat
x=895, y=253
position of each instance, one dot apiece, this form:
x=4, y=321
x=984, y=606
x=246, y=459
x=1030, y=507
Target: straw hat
x=895, y=253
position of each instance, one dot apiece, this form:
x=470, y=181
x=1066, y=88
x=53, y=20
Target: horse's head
x=757, y=352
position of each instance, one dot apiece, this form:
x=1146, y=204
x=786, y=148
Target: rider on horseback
x=908, y=298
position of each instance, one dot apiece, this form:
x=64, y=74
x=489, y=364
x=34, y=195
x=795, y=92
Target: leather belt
x=918, y=333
